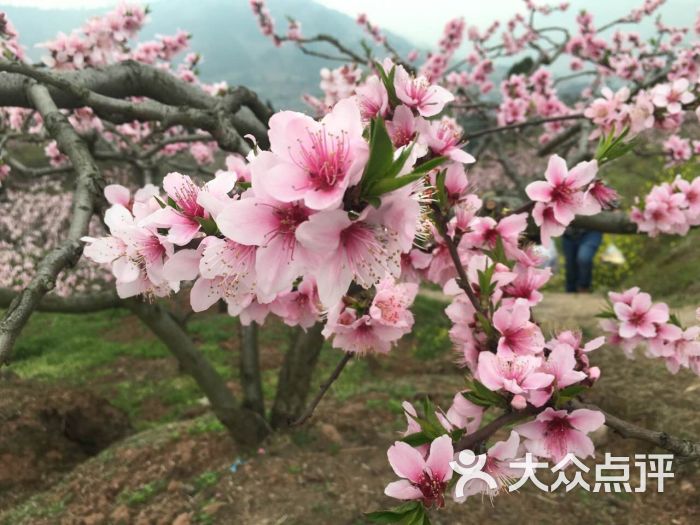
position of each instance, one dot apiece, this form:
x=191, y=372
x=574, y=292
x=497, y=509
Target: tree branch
x=88, y=191
x=174, y=102
x=75, y=304
x=245, y=426
x=684, y=448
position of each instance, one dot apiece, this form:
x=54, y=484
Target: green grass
x=63, y=346
x=142, y=494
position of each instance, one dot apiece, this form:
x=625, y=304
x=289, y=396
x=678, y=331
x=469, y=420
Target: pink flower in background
x=673, y=96
x=563, y=188
x=419, y=94
x=543, y=215
x=485, y=232
x=300, y=307
x=555, y=433
x=313, y=161
x=526, y=284
x=391, y=302
x=640, y=317
x=424, y=479
x=136, y=254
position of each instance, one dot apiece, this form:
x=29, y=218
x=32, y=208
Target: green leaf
x=388, y=81
x=440, y=187
x=388, y=185
x=160, y=202
x=482, y=396
x=606, y=314
x=429, y=165
x=381, y=153
x=567, y=394
x=173, y=204
x=416, y=439
x=611, y=146
x=208, y=225
x=395, y=514
x=675, y=320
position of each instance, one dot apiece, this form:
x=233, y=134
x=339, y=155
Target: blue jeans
x=579, y=250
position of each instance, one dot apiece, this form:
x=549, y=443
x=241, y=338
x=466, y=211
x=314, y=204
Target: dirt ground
x=333, y=470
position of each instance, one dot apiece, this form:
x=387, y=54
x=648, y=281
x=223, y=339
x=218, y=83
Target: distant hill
x=226, y=34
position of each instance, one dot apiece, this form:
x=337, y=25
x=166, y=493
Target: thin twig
x=322, y=390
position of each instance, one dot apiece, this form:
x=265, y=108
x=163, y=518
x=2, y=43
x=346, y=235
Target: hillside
x=225, y=33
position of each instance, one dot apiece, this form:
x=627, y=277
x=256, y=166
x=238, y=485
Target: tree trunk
x=295, y=376
x=249, y=365
x=245, y=426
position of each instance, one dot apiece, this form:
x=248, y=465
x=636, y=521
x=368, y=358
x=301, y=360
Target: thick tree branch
x=249, y=366
x=88, y=190
x=174, y=102
x=606, y=222
x=75, y=304
x=683, y=448
x=295, y=376
x=245, y=426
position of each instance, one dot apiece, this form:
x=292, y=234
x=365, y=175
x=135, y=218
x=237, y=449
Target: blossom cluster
x=635, y=321
x=661, y=107
x=33, y=220
x=524, y=97
x=669, y=208
x=319, y=224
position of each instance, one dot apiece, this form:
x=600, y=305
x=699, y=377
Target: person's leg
x=570, y=247
x=588, y=246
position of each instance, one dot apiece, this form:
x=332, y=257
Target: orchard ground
x=177, y=465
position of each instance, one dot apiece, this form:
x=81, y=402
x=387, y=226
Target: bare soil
x=333, y=470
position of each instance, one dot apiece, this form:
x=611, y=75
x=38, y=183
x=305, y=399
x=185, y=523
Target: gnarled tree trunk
x=295, y=376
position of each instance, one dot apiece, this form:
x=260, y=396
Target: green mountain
x=225, y=32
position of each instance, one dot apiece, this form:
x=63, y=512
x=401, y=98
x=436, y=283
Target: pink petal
x=117, y=194
x=406, y=461
x=508, y=449
x=586, y=420
x=182, y=266
x=248, y=221
x=556, y=171
x=441, y=453
x=402, y=489
x=204, y=294
x=539, y=190
x=488, y=372
x=580, y=444
x=321, y=233
x=583, y=173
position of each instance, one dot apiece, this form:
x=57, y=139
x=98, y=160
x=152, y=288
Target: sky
x=422, y=22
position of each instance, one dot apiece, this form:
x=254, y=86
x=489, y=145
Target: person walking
x=580, y=247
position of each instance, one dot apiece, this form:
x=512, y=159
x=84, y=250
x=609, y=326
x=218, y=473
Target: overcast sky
x=422, y=21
